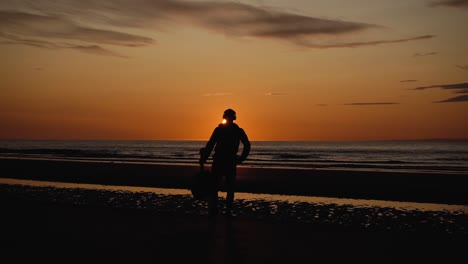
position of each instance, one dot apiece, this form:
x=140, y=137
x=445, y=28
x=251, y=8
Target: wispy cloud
x=63, y=19
x=461, y=98
x=451, y=3
x=424, y=54
x=406, y=81
x=276, y=94
x=457, y=88
x=217, y=94
x=95, y=49
x=55, y=32
x=92, y=49
x=53, y=26
x=463, y=67
x=373, y=103
x=364, y=43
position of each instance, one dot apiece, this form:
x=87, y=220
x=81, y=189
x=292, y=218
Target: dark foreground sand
x=76, y=225
x=44, y=230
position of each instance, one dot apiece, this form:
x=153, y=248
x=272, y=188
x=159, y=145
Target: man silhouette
x=225, y=140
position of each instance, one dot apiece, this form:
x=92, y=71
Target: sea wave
x=398, y=156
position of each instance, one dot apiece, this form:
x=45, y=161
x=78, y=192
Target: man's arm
x=246, y=149
x=206, y=151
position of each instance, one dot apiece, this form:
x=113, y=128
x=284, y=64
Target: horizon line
x=272, y=140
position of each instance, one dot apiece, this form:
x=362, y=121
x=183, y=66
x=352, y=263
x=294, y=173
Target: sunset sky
x=293, y=70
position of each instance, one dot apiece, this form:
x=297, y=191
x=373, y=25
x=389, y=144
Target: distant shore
x=380, y=185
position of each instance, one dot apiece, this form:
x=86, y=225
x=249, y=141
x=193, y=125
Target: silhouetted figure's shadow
x=223, y=245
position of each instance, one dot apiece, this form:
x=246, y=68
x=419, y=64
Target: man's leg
x=213, y=193
x=213, y=204
x=230, y=187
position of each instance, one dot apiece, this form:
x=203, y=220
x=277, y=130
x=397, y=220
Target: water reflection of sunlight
x=356, y=202
x=251, y=196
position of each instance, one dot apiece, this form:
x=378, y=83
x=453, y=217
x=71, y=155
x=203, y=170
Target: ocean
x=398, y=156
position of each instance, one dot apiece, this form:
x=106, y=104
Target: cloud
x=457, y=88
x=51, y=31
x=57, y=27
x=366, y=43
x=7, y=39
x=451, y=3
x=59, y=19
x=217, y=94
x=408, y=80
x=375, y=103
x=322, y=105
x=424, y=54
x=463, y=67
x=461, y=98
x=92, y=49
x=95, y=49
x=276, y=94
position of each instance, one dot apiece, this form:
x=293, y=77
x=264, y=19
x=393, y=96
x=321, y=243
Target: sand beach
x=74, y=212
x=429, y=187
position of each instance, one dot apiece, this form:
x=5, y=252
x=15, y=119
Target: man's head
x=229, y=115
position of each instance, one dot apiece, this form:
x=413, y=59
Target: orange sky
x=293, y=70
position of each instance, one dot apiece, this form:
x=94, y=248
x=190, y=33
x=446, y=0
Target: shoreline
x=244, y=166
x=392, y=186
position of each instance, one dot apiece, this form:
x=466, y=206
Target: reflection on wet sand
x=365, y=214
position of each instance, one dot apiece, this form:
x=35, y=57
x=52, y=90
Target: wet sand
x=116, y=225
x=74, y=225
x=380, y=185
